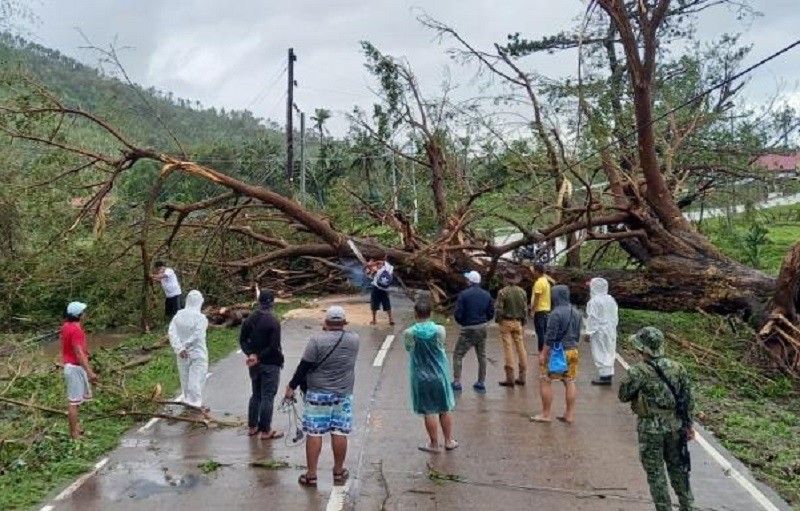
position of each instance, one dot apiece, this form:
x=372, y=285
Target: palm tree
x=320, y=116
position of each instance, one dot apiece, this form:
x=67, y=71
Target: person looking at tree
x=172, y=288
x=540, y=302
x=431, y=392
x=382, y=273
x=260, y=340
x=474, y=309
x=602, y=317
x=187, y=336
x=511, y=311
x=327, y=371
x=77, y=370
x=561, y=339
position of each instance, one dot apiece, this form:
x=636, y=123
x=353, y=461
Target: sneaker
x=479, y=387
x=456, y=386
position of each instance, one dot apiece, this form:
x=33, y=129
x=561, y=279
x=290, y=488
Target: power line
x=267, y=87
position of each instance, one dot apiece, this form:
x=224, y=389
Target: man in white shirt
x=172, y=288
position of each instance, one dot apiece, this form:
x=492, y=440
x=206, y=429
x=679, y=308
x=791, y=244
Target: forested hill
x=134, y=110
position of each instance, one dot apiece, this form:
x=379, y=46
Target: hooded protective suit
x=601, y=326
x=187, y=333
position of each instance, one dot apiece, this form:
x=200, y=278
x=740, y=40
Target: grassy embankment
x=752, y=409
x=36, y=453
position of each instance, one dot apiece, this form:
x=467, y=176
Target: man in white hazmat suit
x=601, y=328
x=187, y=335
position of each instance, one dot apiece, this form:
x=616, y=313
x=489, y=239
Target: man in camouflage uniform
x=660, y=430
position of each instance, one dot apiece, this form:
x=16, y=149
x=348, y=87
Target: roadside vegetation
x=36, y=452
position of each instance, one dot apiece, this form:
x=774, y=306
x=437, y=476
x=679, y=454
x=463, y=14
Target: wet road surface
x=504, y=462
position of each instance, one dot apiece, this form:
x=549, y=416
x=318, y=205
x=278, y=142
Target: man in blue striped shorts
x=328, y=370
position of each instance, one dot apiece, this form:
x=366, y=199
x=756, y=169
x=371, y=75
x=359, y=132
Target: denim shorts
x=328, y=412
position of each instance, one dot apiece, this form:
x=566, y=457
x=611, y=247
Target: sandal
x=304, y=480
x=426, y=447
x=341, y=478
x=271, y=435
x=451, y=445
x=539, y=418
x=564, y=420
x=252, y=431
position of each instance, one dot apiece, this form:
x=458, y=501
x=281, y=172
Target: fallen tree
x=680, y=268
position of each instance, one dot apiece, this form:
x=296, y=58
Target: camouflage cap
x=649, y=340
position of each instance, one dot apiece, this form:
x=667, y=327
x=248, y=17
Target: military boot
x=522, y=371
x=603, y=380
x=509, y=381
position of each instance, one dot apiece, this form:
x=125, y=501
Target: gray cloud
x=231, y=54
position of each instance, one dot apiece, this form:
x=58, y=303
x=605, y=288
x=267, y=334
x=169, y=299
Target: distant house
x=783, y=165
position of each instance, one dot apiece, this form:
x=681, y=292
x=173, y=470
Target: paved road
x=504, y=461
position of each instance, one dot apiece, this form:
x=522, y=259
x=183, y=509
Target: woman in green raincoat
x=429, y=372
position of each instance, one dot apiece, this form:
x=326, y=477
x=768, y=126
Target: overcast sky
x=232, y=54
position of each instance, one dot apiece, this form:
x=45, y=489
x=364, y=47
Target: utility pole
x=302, y=156
x=289, y=128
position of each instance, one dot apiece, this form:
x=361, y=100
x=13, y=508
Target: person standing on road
x=601, y=327
x=327, y=371
x=260, y=340
x=172, y=288
x=560, y=340
x=382, y=273
x=660, y=394
x=511, y=312
x=474, y=309
x=431, y=393
x=77, y=370
x=187, y=336
x=540, y=302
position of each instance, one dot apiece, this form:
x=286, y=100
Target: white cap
x=335, y=313
x=75, y=309
x=473, y=277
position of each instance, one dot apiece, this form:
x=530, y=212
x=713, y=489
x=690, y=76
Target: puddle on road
x=145, y=488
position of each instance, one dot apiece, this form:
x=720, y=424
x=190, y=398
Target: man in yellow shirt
x=540, y=303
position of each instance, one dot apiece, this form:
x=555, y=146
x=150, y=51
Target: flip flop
x=539, y=419
x=427, y=448
x=452, y=445
x=304, y=480
x=272, y=435
x=341, y=478
x=252, y=431
x=564, y=420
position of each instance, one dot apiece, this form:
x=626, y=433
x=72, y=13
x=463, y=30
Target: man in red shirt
x=77, y=371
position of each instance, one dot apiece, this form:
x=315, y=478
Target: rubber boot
x=509, y=381
x=521, y=379
x=603, y=380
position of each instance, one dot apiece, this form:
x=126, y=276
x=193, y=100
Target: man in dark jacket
x=563, y=332
x=260, y=339
x=474, y=309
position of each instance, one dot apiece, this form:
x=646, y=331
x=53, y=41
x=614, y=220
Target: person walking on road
x=431, y=392
x=260, y=340
x=187, y=336
x=560, y=349
x=327, y=373
x=511, y=312
x=172, y=288
x=660, y=394
x=540, y=302
x=474, y=309
x=601, y=328
x=382, y=273
x=77, y=370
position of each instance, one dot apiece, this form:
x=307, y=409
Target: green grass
x=753, y=410
x=47, y=459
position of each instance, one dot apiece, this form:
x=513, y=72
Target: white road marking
x=726, y=466
x=48, y=507
x=69, y=490
x=238, y=352
x=383, y=351
x=208, y=375
x=149, y=425
x=336, y=500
